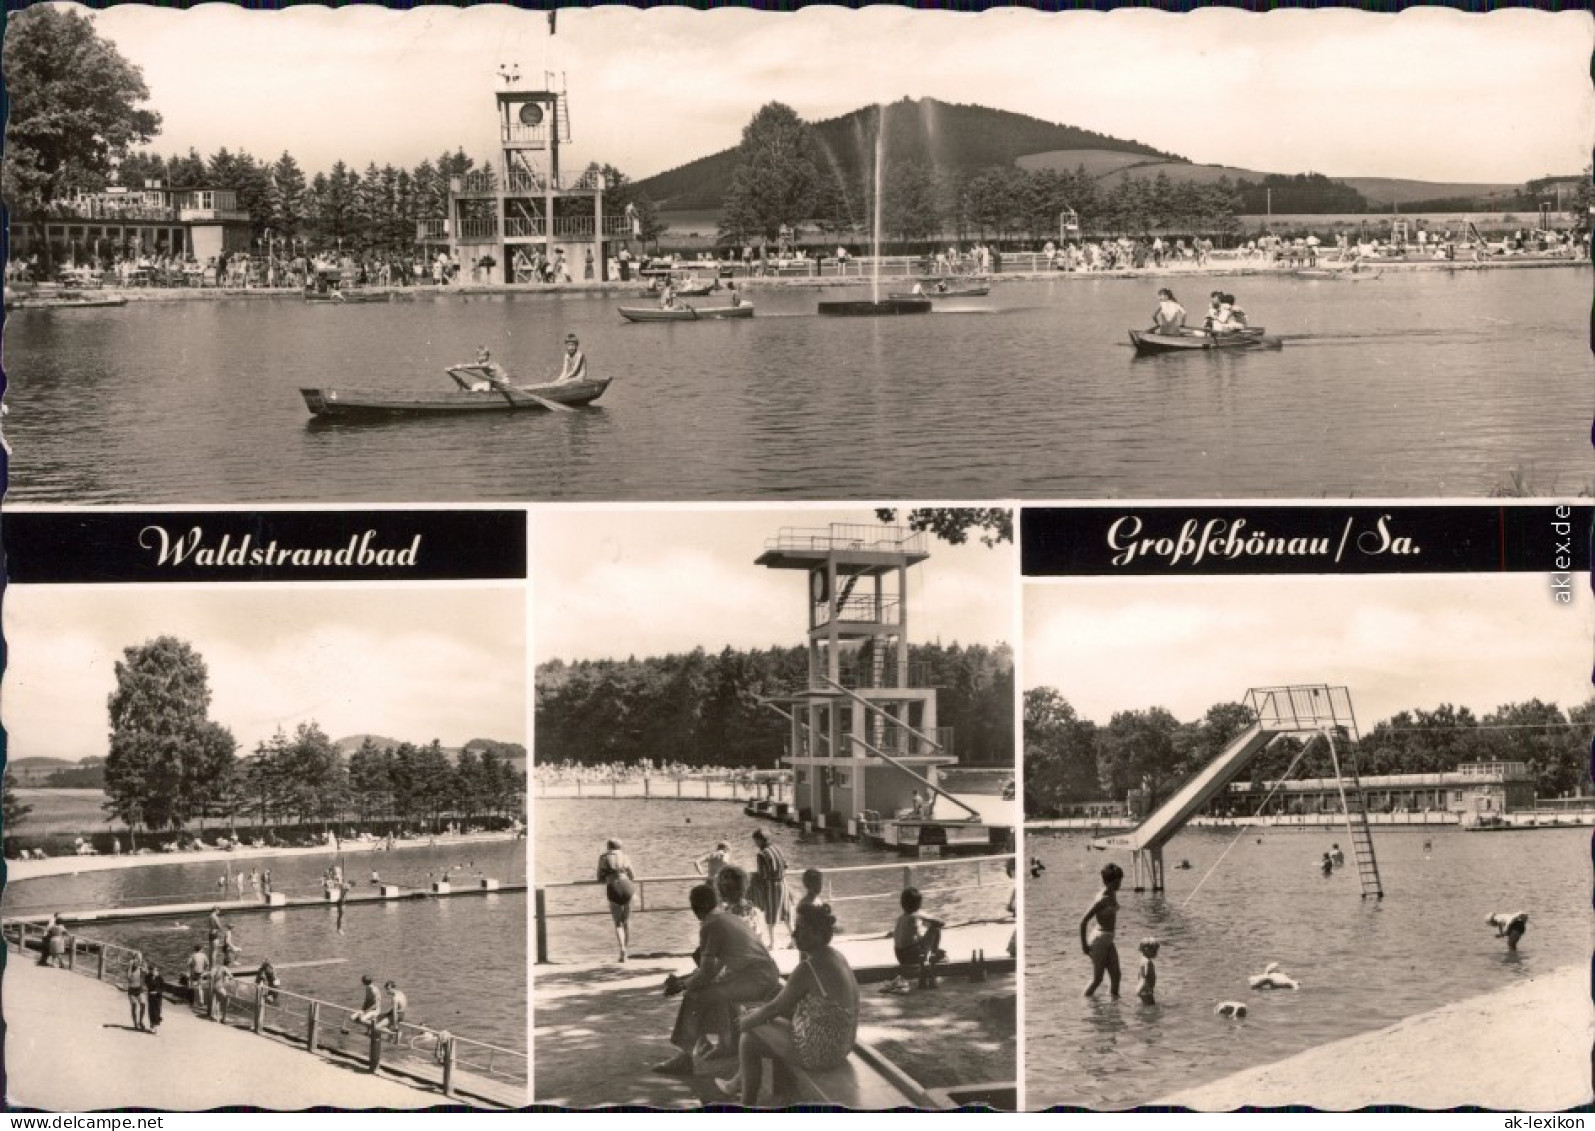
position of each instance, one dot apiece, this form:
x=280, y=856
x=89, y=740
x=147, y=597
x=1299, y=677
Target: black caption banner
x=1172, y=541
x=233, y=546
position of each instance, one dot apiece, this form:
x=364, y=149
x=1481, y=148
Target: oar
x=692, y=310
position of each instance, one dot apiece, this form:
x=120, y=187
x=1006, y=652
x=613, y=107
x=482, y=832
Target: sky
x=1429, y=94
x=615, y=583
x=407, y=663
x=1398, y=643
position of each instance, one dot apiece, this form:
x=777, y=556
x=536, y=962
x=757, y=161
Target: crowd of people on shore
x=604, y=773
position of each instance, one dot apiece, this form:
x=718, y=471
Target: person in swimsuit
x=1510, y=926
x=137, y=991
x=620, y=884
x=1169, y=317
x=574, y=366
x=813, y=1022
x=916, y=942
x=710, y=864
x=1099, y=947
x=1146, y=989
x=370, y=1004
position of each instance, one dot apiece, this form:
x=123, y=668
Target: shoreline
x=804, y=282
x=1522, y=1048
x=17, y=871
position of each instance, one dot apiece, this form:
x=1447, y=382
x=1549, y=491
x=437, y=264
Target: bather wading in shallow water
x=1099, y=947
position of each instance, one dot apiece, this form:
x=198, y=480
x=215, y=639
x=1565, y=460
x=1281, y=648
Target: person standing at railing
x=53, y=950
x=710, y=864
x=222, y=987
x=198, y=979
x=620, y=885
x=769, y=884
x=137, y=991
x=155, y=985
x=393, y=1016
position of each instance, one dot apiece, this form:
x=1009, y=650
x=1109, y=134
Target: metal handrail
x=848, y=536
x=503, y=1064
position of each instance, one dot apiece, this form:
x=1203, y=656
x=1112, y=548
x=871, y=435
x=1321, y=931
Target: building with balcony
x=526, y=205
x=1472, y=789
x=156, y=220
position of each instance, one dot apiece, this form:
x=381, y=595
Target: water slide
x=1170, y=817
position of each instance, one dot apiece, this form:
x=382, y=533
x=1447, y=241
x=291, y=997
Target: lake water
x=461, y=961
x=1362, y=964
x=1422, y=383
x=664, y=837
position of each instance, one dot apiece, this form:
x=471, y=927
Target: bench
x=867, y=1081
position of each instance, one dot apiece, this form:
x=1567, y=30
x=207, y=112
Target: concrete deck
x=1524, y=1048
x=70, y=1046
x=600, y=1027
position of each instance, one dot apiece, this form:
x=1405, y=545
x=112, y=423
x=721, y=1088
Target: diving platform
x=1298, y=710
x=864, y=742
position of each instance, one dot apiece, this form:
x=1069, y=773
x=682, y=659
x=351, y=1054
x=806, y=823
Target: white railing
x=983, y=871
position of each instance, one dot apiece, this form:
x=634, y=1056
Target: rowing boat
x=346, y=296
x=366, y=404
x=1145, y=341
x=697, y=290
x=950, y=292
x=66, y=302
x=684, y=313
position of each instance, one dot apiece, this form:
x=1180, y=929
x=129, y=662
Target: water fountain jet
x=876, y=306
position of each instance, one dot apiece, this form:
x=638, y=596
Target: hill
x=34, y=772
x=1110, y=167
x=513, y=752
x=956, y=139
x=1394, y=190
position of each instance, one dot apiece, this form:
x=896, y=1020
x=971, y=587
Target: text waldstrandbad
x=192, y=549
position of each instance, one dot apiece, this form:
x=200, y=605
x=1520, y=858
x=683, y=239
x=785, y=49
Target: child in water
x=1512, y=926
x=1147, y=989
x=1099, y=948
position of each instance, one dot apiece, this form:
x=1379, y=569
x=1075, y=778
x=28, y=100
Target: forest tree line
x=699, y=710
x=170, y=765
x=1070, y=760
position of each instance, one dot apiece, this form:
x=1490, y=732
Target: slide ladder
x=1357, y=824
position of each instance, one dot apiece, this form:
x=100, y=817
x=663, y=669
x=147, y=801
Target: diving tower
x=864, y=743
x=1299, y=710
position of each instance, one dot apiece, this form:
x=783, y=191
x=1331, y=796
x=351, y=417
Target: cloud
x=409, y=663
x=1397, y=643
x=1342, y=92
x=614, y=583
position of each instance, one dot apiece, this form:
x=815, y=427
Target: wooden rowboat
x=377, y=404
x=1145, y=341
x=699, y=290
x=348, y=296
x=64, y=302
x=684, y=313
